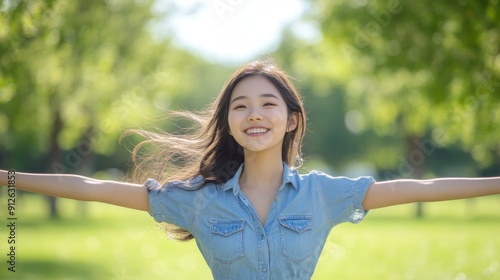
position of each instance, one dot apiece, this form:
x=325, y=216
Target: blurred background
x=392, y=89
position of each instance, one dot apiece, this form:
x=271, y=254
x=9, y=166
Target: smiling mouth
x=256, y=131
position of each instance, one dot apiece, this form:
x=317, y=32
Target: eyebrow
x=262, y=95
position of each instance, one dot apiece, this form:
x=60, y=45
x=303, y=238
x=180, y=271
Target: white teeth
x=256, y=130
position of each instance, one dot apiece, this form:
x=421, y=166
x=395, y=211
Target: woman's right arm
x=81, y=188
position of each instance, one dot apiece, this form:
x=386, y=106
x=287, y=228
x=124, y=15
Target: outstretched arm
x=81, y=188
x=388, y=193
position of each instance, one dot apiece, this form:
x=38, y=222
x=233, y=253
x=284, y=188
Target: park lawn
x=455, y=240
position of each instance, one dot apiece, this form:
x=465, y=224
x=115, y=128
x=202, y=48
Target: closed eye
x=269, y=104
x=240, y=107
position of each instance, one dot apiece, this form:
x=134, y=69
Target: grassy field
x=455, y=240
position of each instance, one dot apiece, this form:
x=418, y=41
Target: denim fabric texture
x=230, y=236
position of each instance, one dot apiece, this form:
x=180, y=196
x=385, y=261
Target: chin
x=260, y=149
x=255, y=149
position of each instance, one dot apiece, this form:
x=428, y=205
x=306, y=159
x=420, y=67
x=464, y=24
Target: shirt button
x=262, y=237
x=264, y=269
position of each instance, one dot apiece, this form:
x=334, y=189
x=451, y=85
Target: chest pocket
x=227, y=239
x=295, y=231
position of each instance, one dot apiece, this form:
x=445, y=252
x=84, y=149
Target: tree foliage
x=426, y=69
x=74, y=75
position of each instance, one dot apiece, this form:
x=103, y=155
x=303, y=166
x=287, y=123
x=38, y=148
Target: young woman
x=233, y=187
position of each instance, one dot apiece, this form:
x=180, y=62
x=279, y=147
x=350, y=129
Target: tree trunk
x=87, y=165
x=417, y=155
x=55, y=156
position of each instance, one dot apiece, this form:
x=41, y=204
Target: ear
x=292, y=122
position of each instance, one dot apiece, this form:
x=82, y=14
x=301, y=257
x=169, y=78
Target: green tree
x=420, y=68
x=75, y=75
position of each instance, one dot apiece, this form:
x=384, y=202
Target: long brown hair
x=207, y=149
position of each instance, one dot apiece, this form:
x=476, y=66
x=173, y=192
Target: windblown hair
x=207, y=149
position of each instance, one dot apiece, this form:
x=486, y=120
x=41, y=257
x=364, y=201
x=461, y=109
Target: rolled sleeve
x=343, y=197
x=171, y=204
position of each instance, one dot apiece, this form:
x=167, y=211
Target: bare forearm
x=382, y=194
x=81, y=188
x=458, y=188
x=59, y=185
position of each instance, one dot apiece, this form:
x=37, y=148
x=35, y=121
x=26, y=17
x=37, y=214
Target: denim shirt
x=231, y=237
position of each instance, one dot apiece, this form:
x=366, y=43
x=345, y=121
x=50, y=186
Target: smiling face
x=258, y=116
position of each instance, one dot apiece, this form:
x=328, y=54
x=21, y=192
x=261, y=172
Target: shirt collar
x=289, y=176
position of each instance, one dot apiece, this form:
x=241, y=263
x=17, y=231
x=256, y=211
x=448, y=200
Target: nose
x=254, y=116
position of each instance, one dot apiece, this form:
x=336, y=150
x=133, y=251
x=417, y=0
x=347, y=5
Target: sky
x=231, y=31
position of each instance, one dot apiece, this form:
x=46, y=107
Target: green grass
x=455, y=240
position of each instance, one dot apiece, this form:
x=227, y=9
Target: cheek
x=279, y=118
x=233, y=119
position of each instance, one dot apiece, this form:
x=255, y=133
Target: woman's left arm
x=388, y=193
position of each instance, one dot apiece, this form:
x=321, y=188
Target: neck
x=262, y=171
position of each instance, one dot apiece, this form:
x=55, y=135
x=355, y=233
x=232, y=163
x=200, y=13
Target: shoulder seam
x=321, y=199
x=196, y=210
